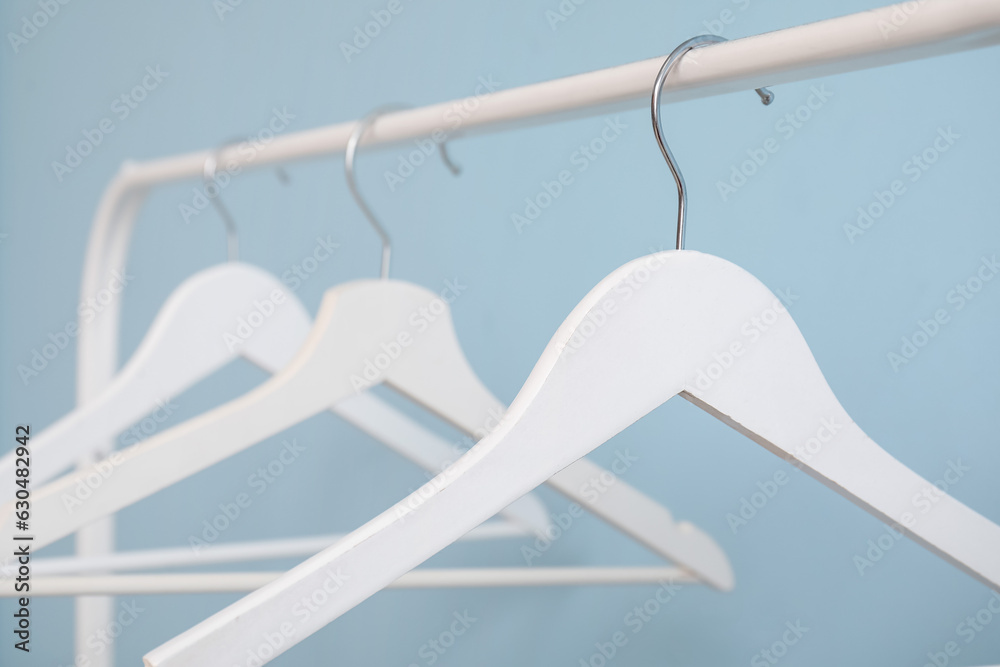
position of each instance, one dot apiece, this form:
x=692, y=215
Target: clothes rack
x=893, y=34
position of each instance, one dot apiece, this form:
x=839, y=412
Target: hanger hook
x=766, y=96
x=208, y=174
x=452, y=167
x=349, y=157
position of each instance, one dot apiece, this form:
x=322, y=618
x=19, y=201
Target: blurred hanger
x=219, y=552
x=195, y=334
x=365, y=333
x=688, y=311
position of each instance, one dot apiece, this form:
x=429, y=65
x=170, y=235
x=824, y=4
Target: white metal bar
x=232, y=552
x=94, y=614
x=897, y=33
x=848, y=43
x=241, y=582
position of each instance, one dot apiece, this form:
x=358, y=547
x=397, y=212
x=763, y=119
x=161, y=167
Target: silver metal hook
x=350, y=153
x=766, y=96
x=208, y=174
x=452, y=167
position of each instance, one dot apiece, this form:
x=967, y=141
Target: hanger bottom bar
x=227, y=552
x=242, y=582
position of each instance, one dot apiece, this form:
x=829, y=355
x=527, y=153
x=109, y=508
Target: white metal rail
x=245, y=582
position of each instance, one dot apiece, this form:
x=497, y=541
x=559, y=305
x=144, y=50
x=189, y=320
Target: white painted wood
x=651, y=330
x=96, y=362
x=197, y=332
x=366, y=332
x=528, y=515
x=184, y=345
x=241, y=582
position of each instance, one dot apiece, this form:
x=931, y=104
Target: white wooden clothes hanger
x=360, y=324
x=227, y=311
x=187, y=342
x=684, y=310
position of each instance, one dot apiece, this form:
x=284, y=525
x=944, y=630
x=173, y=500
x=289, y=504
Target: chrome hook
x=766, y=96
x=350, y=153
x=208, y=175
x=209, y=172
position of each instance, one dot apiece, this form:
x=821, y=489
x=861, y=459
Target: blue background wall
x=794, y=561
